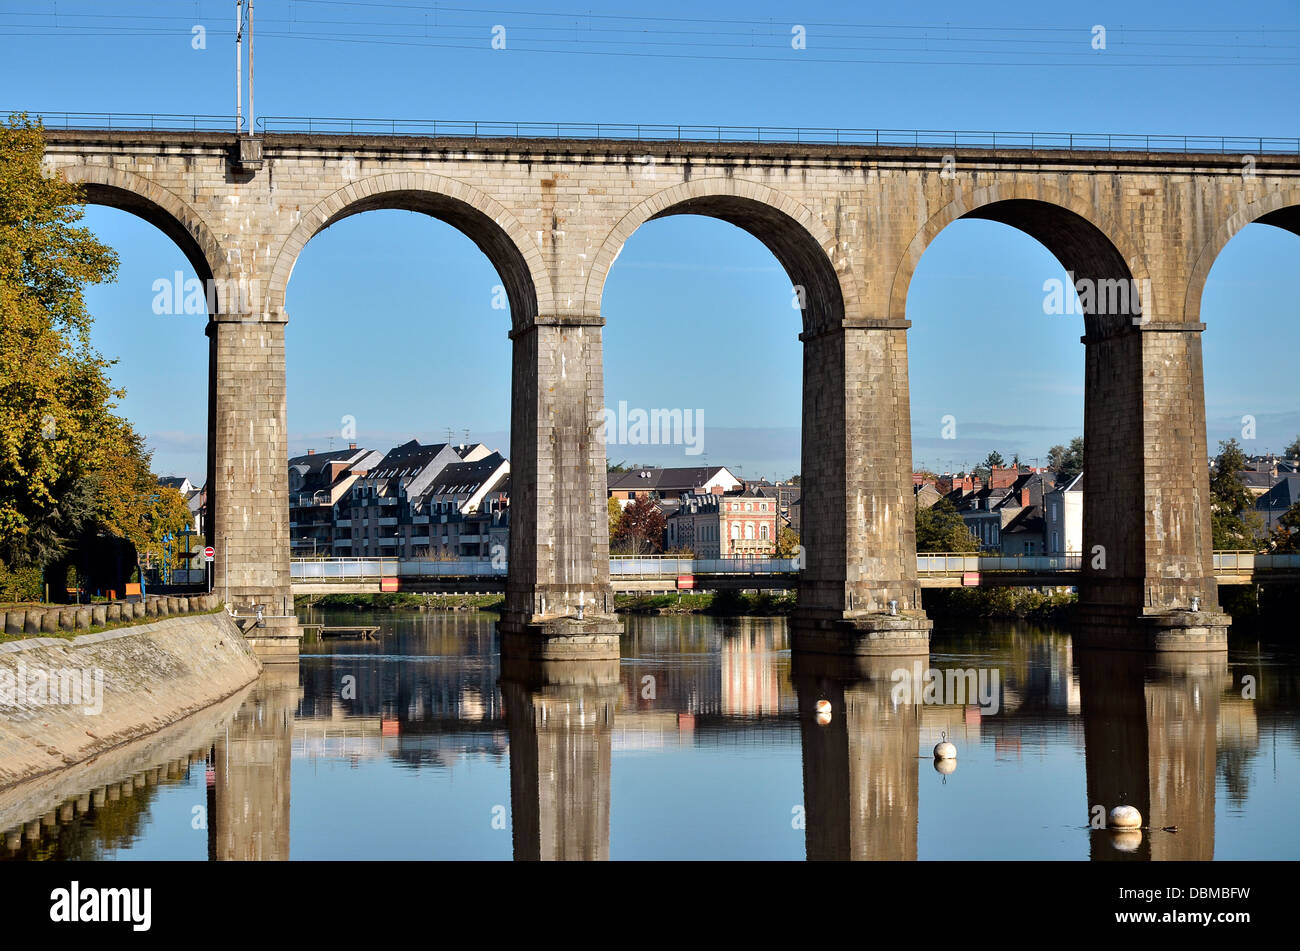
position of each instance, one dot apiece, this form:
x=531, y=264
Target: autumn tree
x=615, y=511
x=641, y=529
x=1286, y=533
x=69, y=467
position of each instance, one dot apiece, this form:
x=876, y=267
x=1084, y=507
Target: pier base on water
x=274, y=640
x=1167, y=631
x=561, y=638
x=907, y=632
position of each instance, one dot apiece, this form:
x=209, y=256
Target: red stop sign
x=209, y=553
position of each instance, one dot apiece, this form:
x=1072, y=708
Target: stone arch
x=126, y=191
x=485, y=221
x=1086, y=244
x=798, y=238
x=1278, y=208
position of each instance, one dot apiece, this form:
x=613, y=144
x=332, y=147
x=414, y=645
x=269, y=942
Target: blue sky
x=391, y=317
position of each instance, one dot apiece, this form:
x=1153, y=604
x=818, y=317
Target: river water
x=706, y=742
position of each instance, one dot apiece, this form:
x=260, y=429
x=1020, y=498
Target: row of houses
x=1024, y=511
x=711, y=512
x=1015, y=511
x=415, y=501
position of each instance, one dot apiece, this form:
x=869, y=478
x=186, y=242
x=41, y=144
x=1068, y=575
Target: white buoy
x=823, y=712
x=945, y=750
x=1124, y=818
x=1126, y=840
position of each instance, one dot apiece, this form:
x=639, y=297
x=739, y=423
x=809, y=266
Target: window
x=749, y=506
x=762, y=532
x=735, y=530
x=749, y=531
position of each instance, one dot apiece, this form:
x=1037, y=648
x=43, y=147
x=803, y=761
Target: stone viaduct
x=849, y=225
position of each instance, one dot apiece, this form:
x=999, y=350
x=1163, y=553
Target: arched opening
x=699, y=363
x=1144, y=534
x=1249, y=313
x=398, y=385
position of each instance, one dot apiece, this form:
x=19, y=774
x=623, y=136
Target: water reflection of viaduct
x=849, y=225
x=1151, y=731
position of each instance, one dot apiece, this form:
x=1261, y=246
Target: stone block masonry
x=849, y=225
x=130, y=683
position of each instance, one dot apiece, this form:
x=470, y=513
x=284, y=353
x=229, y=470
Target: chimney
x=311, y=452
x=352, y=445
x=1024, y=496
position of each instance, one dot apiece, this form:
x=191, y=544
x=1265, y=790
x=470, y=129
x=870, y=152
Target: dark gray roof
x=685, y=479
x=1281, y=496
x=464, y=478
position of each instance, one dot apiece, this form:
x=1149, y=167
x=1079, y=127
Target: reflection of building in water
x=561, y=717
x=751, y=681
x=1238, y=742
x=1150, y=727
x=440, y=668
x=711, y=666
x=248, y=801
x=860, y=768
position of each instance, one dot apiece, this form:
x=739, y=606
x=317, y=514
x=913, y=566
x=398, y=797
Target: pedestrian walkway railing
x=663, y=566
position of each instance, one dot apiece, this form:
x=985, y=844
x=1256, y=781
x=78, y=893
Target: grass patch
x=401, y=601
x=115, y=625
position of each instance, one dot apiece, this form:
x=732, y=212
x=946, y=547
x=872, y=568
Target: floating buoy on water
x=1124, y=818
x=1126, y=840
x=945, y=750
x=823, y=712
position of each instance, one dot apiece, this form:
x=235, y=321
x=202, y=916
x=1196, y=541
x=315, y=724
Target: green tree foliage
x=1234, y=523
x=54, y=388
x=641, y=530
x=1293, y=451
x=615, y=511
x=940, y=528
x=69, y=467
x=1066, y=462
x=787, y=540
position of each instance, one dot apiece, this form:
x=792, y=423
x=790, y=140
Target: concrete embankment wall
x=64, y=701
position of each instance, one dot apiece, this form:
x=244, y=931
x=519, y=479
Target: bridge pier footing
x=561, y=638
x=1162, y=632
x=274, y=640
x=863, y=635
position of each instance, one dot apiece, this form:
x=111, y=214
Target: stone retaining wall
x=46, y=619
x=65, y=701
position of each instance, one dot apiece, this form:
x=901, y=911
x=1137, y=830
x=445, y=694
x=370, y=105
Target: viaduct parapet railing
x=662, y=132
